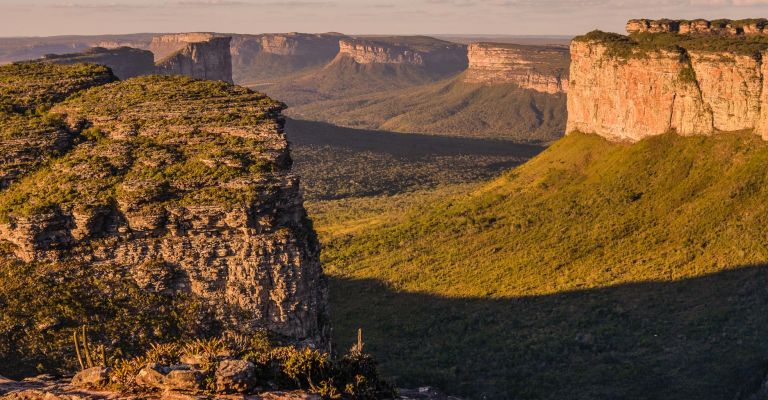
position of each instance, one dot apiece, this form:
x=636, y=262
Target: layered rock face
x=125, y=62
x=268, y=56
x=184, y=186
x=627, y=92
x=539, y=68
x=165, y=45
x=210, y=59
x=700, y=26
x=428, y=53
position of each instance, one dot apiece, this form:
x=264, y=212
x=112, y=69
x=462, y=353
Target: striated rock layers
x=540, y=68
x=164, y=45
x=700, y=26
x=431, y=54
x=125, y=62
x=210, y=60
x=626, y=91
x=183, y=185
x=266, y=57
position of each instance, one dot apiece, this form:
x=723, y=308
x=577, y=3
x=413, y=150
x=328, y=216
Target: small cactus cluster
x=85, y=356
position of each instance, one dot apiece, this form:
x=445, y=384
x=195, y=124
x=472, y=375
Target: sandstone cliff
x=125, y=62
x=164, y=45
x=264, y=58
x=626, y=90
x=432, y=54
x=540, y=68
x=210, y=59
x=700, y=26
x=182, y=187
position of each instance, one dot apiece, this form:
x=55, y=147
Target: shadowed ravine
x=336, y=162
x=608, y=343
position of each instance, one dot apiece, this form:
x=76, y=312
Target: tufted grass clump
x=278, y=365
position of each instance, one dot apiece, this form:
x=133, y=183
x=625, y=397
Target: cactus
x=84, y=355
x=358, y=347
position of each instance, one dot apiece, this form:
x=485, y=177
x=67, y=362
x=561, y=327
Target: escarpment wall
x=371, y=53
x=185, y=186
x=210, y=59
x=433, y=55
x=631, y=96
x=164, y=45
x=543, y=69
x=260, y=58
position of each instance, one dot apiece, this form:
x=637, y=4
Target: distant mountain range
x=372, y=82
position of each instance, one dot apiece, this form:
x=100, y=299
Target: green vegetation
x=595, y=270
x=36, y=330
x=638, y=45
x=450, y=107
x=158, y=141
x=28, y=86
x=355, y=374
x=337, y=163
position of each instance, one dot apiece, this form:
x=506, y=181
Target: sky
x=509, y=17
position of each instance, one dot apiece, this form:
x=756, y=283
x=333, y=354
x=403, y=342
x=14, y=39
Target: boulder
x=151, y=376
x=91, y=378
x=183, y=380
x=235, y=376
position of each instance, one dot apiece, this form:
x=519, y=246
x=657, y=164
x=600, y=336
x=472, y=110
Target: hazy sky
x=518, y=17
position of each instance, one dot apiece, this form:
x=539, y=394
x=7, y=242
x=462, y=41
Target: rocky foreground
x=46, y=387
x=140, y=204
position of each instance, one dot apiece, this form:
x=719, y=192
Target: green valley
x=595, y=270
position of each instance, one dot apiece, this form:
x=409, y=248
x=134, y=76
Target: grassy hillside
x=449, y=107
x=344, y=77
x=594, y=271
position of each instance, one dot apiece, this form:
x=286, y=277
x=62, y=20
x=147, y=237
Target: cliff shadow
x=336, y=162
x=700, y=338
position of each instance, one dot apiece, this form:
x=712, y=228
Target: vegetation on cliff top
x=639, y=44
x=595, y=270
x=155, y=141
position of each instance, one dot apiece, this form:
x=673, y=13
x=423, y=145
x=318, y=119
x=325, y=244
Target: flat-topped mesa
x=700, y=26
x=164, y=45
x=266, y=57
x=125, y=62
x=627, y=90
x=210, y=59
x=182, y=185
x=325, y=45
x=366, y=52
x=425, y=52
x=540, y=68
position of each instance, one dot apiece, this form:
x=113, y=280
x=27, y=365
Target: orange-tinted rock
x=628, y=98
x=540, y=68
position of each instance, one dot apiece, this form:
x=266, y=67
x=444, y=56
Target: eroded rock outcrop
x=164, y=45
x=183, y=184
x=626, y=91
x=540, y=68
x=429, y=53
x=210, y=59
x=257, y=58
x=700, y=26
